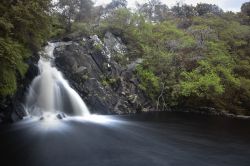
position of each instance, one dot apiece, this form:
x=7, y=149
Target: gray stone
x=114, y=44
x=41, y=118
x=81, y=69
x=59, y=116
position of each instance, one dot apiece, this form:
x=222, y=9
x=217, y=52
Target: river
x=151, y=139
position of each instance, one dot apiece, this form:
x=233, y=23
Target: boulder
x=41, y=118
x=59, y=116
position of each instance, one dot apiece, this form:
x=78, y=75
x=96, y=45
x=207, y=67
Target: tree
x=116, y=4
x=69, y=10
x=245, y=8
x=85, y=10
x=113, y=6
x=204, y=8
x=184, y=11
x=161, y=11
x=244, y=15
x=153, y=10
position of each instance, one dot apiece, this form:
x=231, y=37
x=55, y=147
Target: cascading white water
x=50, y=92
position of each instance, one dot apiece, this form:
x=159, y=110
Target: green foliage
x=82, y=28
x=201, y=82
x=24, y=26
x=73, y=10
x=202, y=64
x=8, y=81
x=22, y=68
x=10, y=51
x=12, y=55
x=149, y=82
x=57, y=29
x=30, y=21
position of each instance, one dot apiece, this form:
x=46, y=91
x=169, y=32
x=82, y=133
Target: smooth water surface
x=176, y=139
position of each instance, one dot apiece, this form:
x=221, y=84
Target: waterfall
x=50, y=92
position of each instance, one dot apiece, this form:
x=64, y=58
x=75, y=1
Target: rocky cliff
x=92, y=68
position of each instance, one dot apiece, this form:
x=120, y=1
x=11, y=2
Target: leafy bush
x=82, y=28
x=149, y=82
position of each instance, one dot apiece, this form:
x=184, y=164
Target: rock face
x=106, y=86
x=114, y=44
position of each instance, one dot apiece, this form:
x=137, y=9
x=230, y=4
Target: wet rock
x=81, y=69
x=208, y=110
x=59, y=116
x=67, y=38
x=64, y=115
x=41, y=118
